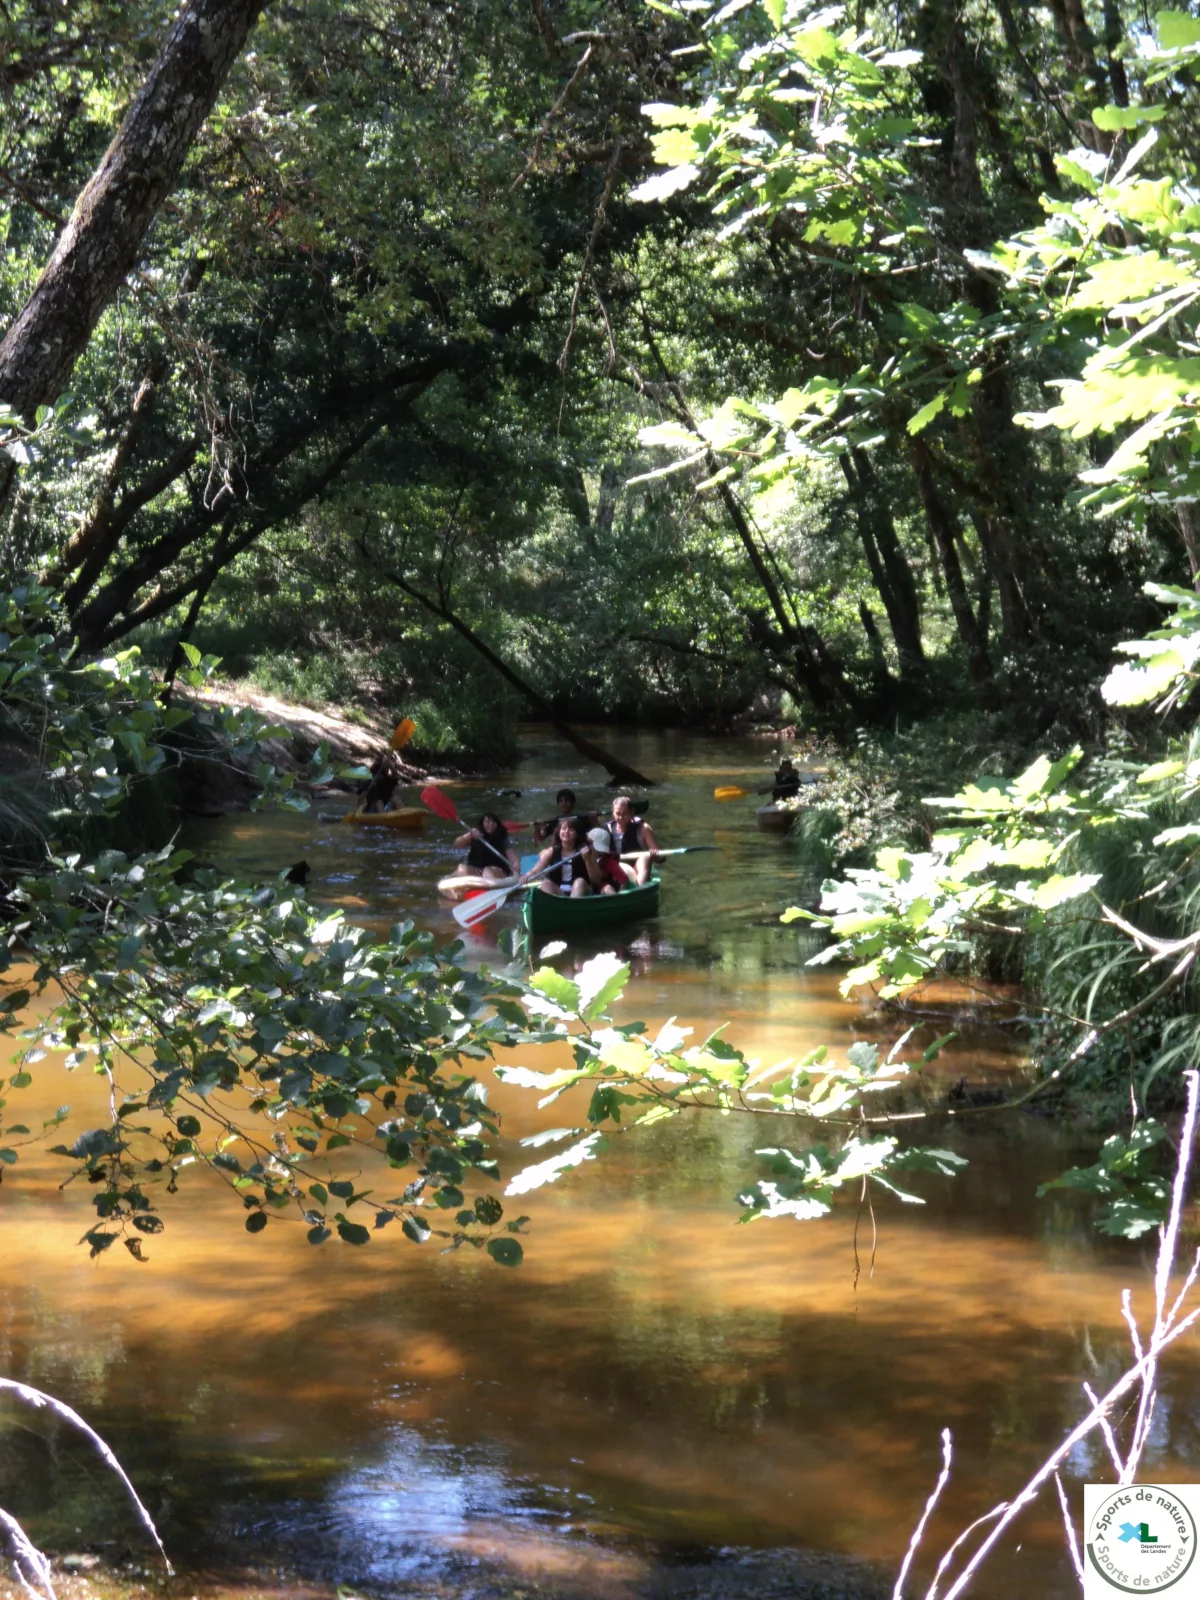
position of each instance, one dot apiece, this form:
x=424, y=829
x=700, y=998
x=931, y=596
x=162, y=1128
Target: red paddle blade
x=440, y=804
x=515, y=827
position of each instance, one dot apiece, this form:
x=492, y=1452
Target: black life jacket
x=630, y=841
x=480, y=856
x=564, y=873
x=787, y=785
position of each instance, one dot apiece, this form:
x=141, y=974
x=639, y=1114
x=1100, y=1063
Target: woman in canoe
x=489, y=853
x=633, y=836
x=571, y=860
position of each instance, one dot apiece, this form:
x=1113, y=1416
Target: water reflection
x=656, y=1385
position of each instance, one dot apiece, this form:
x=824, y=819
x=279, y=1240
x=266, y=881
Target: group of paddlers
x=581, y=855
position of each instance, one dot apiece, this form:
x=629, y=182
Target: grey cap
x=601, y=840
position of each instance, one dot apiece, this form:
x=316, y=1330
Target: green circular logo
x=1141, y=1539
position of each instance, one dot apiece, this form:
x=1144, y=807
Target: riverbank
x=354, y=738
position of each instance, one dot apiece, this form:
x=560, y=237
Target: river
x=658, y=1401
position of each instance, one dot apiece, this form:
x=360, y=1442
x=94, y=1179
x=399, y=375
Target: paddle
x=441, y=805
x=475, y=910
x=679, y=850
x=730, y=791
x=404, y=732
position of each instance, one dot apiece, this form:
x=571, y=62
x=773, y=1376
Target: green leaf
x=1116, y=119
x=550, y=1171
x=353, y=1232
x=256, y=1222
x=555, y=987
x=598, y=983
x=664, y=184
x=927, y=413
x=1176, y=30
x=506, y=1251
x=1060, y=888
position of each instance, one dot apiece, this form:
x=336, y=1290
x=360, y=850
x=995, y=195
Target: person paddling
x=633, y=835
x=566, y=802
x=385, y=778
x=489, y=853
x=571, y=860
x=787, y=782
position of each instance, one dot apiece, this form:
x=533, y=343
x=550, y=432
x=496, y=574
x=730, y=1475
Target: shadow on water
x=658, y=1402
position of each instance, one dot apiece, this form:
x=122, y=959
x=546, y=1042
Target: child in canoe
x=489, y=853
x=611, y=874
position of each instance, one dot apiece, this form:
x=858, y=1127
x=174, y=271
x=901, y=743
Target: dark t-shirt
x=480, y=856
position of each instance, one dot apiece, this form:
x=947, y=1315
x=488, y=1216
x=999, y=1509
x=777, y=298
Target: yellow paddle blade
x=404, y=732
x=729, y=792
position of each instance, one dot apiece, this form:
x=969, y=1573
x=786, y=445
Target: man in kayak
x=565, y=801
x=787, y=782
x=489, y=853
x=385, y=777
x=633, y=835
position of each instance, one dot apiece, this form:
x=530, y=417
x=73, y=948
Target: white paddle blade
x=479, y=906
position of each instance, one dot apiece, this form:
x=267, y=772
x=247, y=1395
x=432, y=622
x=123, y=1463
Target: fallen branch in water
x=1169, y=1325
x=29, y=1564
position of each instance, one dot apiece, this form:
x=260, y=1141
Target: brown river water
x=658, y=1401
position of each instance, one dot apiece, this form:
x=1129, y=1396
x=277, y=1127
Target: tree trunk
x=879, y=666
x=898, y=590
x=96, y=633
x=187, y=628
x=1114, y=35
x=1080, y=46
x=999, y=558
x=96, y=615
x=1185, y=513
x=942, y=527
x=611, y=484
x=619, y=771
x=102, y=240
x=821, y=675
x=84, y=541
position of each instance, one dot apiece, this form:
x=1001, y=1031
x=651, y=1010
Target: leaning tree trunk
x=619, y=771
x=100, y=244
x=942, y=527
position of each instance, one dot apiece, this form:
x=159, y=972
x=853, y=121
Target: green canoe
x=561, y=913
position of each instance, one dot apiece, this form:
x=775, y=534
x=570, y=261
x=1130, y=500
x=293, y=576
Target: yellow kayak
x=405, y=817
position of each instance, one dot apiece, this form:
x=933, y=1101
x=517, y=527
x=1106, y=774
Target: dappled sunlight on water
x=656, y=1383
